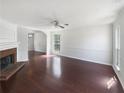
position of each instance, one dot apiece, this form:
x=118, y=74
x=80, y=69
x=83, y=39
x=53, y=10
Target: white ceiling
x=34, y=13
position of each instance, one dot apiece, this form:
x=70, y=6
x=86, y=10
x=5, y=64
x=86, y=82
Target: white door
x=117, y=48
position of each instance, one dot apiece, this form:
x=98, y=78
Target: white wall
x=22, y=51
x=40, y=41
x=8, y=35
x=88, y=43
x=8, y=32
x=120, y=22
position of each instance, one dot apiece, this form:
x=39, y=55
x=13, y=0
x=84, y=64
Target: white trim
x=86, y=60
x=24, y=60
x=97, y=56
x=117, y=67
x=119, y=76
x=8, y=45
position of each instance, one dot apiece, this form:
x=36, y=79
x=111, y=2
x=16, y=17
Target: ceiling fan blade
x=61, y=26
x=66, y=24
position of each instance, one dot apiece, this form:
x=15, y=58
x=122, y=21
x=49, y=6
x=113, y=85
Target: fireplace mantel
x=8, y=45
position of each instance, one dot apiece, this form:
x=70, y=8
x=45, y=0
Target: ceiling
x=37, y=13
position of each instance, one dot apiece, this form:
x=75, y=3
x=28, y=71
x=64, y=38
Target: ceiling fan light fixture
x=66, y=24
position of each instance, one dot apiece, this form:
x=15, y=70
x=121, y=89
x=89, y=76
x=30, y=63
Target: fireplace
x=8, y=64
x=5, y=61
x=7, y=57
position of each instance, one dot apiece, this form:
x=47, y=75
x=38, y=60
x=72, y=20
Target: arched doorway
x=37, y=43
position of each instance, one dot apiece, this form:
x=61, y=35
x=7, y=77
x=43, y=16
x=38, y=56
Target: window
x=56, y=42
x=117, y=47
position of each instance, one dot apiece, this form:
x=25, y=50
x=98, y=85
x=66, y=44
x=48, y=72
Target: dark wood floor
x=55, y=74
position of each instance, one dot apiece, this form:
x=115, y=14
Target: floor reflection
x=47, y=56
x=111, y=82
x=54, y=66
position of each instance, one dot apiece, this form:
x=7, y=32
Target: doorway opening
x=30, y=41
x=37, y=43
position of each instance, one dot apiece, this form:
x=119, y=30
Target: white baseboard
x=96, y=56
x=40, y=51
x=22, y=60
x=83, y=59
x=119, y=76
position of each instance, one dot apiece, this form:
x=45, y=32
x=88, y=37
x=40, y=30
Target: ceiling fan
x=52, y=21
x=56, y=23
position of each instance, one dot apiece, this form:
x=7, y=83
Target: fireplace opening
x=7, y=58
x=6, y=61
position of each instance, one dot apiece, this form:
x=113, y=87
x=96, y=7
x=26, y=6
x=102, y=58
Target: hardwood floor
x=54, y=74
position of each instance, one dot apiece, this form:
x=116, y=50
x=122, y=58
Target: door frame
x=117, y=47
